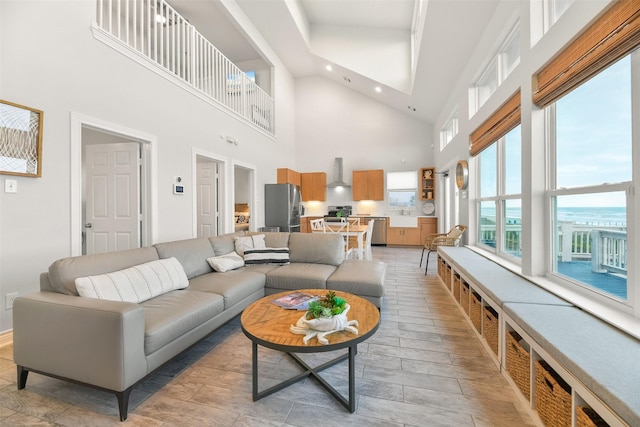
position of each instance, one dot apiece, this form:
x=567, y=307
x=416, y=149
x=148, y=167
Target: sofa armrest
x=89, y=340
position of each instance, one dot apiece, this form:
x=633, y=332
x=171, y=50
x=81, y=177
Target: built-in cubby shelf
x=521, y=358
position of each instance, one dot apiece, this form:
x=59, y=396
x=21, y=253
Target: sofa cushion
x=225, y=243
x=273, y=239
x=299, y=276
x=267, y=256
x=233, y=285
x=316, y=248
x=226, y=262
x=192, y=254
x=171, y=315
x=135, y=284
x=249, y=242
x=64, y=272
x=359, y=277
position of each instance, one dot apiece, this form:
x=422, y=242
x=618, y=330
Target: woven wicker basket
x=464, y=296
x=475, y=311
x=490, y=328
x=447, y=275
x=553, y=396
x=456, y=287
x=587, y=417
x=518, y=363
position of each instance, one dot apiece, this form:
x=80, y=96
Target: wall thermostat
x=178, y=187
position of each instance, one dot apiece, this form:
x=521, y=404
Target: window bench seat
x=598, y=361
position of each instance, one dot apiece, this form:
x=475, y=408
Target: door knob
x=88, y=225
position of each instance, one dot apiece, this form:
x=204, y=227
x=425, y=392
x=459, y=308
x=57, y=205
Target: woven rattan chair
x=452, y=238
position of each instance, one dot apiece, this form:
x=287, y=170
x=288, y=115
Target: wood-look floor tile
x=424, y=367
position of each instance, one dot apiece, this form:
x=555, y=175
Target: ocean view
x=592, y=216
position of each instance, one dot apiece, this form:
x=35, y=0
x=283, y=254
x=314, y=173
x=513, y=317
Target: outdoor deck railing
x=606, y=248
x=155, y=30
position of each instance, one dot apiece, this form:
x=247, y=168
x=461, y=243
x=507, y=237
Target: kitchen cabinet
x=427, y=184
x=406, y=236
x=368, y=185
x=313, y=186
x=288, y=176
x=427, y=226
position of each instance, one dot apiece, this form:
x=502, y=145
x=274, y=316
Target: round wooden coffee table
x=267, y=324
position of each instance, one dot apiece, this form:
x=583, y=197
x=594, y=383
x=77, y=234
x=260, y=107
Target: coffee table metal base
x=349, y=403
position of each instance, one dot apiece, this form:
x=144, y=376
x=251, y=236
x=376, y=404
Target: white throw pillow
x=278, y=256
x=135, y=284
x=227, y=262
x=249, y=242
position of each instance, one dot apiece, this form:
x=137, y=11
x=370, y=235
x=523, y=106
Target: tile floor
x=423, y=367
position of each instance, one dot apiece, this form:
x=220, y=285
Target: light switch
x=10, y=186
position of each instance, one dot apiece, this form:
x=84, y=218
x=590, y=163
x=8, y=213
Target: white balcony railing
x=155, y=30
x=605, y=247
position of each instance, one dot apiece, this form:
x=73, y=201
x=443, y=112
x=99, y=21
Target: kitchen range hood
x=337, y=175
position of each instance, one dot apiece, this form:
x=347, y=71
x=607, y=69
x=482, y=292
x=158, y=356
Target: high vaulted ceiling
x=367, y=42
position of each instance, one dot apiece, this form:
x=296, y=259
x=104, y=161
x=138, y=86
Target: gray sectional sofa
x=113, y=345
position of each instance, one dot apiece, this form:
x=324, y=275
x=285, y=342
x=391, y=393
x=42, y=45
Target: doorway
x=243, y=198
x=207, y=197
x=113, y=206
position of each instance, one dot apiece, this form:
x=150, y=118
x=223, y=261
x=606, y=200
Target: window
x=553, y=10
x=401, y=189
x=500, y=202
x=591, y=176
x=497, y=70
x=449, y=130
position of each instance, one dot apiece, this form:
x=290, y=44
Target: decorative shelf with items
x=427, y=184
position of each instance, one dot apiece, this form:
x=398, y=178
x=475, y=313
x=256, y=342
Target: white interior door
x=207, y=199
x=112, y=209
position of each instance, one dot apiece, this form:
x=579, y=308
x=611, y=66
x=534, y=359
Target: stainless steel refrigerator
x=282, y=206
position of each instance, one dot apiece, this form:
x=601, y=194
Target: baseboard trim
x=6, y=338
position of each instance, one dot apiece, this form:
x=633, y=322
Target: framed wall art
x=20, y=140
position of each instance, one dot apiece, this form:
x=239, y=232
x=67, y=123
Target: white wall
x=334, y=121
x=52, y=62
x=532, y=59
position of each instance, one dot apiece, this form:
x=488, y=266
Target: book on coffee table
x=295, y=301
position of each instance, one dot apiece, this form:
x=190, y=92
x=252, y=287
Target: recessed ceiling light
x=329, y=67
x=378, y=89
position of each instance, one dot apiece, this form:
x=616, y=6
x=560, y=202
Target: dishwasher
x=379, y=235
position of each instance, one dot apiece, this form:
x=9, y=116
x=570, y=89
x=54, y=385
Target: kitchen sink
x=403, y=221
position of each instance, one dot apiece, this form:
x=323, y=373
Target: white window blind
x=402, y=180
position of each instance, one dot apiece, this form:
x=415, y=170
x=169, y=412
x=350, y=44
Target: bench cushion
x=500, y=284
x=602, y=357
x=171, y=315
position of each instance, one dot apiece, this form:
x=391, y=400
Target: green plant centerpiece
x=324, y=316
x=326, y=306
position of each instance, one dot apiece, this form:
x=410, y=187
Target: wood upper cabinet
x=314, y=186
x=368, y=185
x=288, y=176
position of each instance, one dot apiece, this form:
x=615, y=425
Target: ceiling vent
x=337, y=175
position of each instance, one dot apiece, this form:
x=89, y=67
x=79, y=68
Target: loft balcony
x=153, y=32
